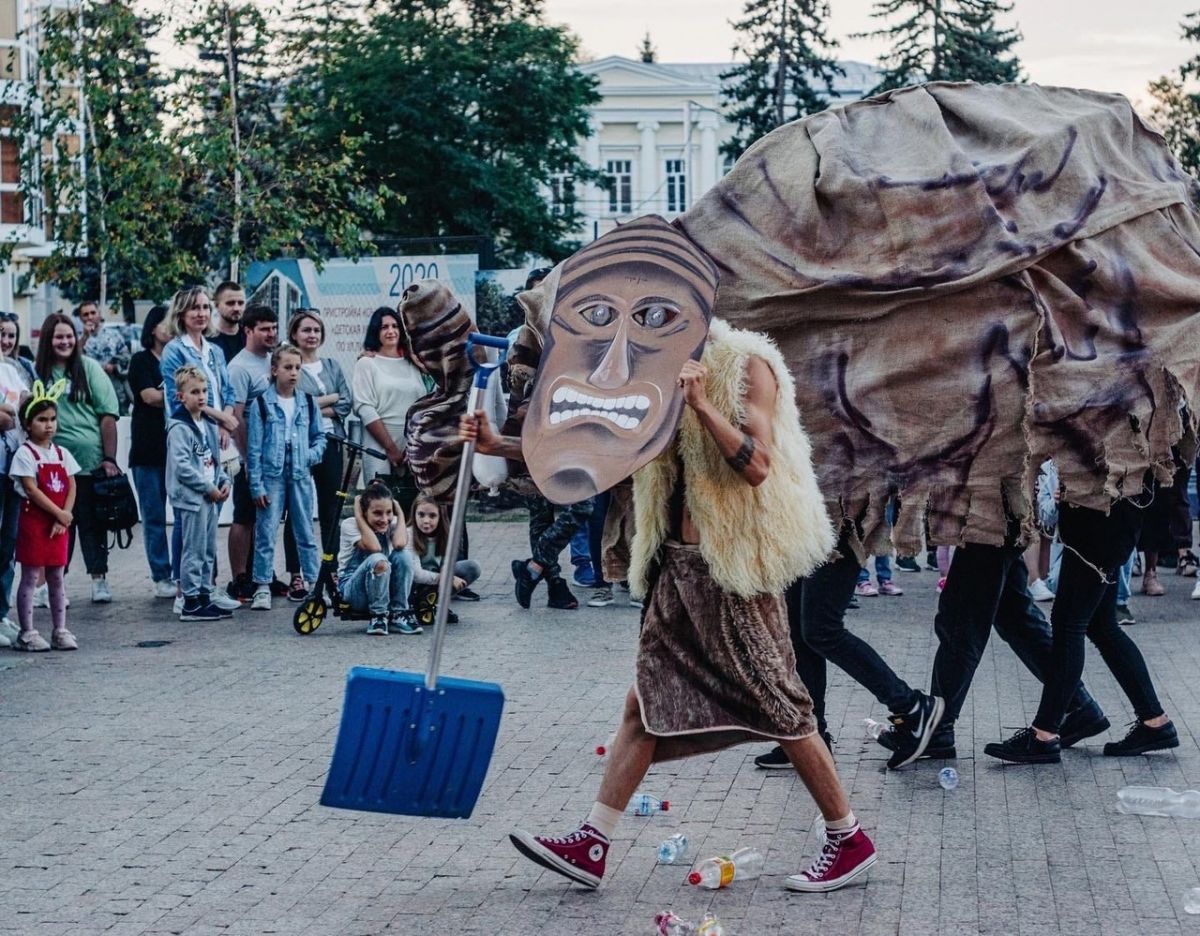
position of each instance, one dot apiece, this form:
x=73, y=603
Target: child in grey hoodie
x=196, y=486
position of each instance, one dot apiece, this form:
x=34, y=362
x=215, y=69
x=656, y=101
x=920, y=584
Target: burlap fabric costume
x=965, y=280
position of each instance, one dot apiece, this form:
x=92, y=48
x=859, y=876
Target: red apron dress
x=35, y=545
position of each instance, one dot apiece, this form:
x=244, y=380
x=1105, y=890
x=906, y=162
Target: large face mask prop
x=627, y=312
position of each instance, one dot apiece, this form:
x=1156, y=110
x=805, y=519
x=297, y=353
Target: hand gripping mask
x=626, y=312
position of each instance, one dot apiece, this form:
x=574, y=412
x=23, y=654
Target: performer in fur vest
x=715, y=665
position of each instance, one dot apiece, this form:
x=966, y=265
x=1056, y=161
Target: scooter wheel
x=309, y=615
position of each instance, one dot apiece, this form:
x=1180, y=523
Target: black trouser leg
x=596, y=536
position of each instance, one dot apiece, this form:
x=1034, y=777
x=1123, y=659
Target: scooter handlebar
x=354, y=445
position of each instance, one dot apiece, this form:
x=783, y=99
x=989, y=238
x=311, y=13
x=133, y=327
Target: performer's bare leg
x=632, y=755
x=814, y=763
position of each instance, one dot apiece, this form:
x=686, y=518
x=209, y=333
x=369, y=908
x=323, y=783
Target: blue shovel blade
x=404, y=749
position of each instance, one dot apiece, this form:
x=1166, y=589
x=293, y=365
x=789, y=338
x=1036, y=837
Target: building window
x=562, y=195
x=676, y=185
x=12, y=201
x=727, y=164
x=620, y=195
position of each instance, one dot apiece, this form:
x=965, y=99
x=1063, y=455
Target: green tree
x=469, y=108
x=258, y=182
x=96, y=151
x=1177, y=103
x=945, y=40
x=788, y=72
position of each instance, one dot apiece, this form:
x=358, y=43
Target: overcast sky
x=1108, y=45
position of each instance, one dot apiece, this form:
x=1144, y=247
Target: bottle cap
x=666, y=804
x=601, y=750
x=694, y=877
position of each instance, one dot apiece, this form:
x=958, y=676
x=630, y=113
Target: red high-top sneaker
x=844, y=857
x=578, y=856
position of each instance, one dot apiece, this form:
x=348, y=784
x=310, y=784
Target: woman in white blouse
x=385, y=385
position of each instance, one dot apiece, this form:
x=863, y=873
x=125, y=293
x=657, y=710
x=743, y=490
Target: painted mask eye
x=655, y=316
x=598, y=314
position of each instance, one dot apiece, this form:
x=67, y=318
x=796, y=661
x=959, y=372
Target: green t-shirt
x=79, y=423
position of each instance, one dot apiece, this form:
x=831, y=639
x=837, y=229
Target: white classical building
x=657, y=133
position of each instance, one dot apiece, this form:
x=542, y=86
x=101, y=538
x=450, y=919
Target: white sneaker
x=177, y=607
x=164, y=589
x=41, y=596
x=101, y=594
x=223, y=600
x=9, y=629
x=1040, y=591
x=1195, y=593
x=262, y=599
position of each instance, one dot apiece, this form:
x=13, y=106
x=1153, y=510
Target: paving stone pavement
x=173, y=789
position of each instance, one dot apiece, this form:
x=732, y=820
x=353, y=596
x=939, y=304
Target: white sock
x=845, y=824
x=604, y=819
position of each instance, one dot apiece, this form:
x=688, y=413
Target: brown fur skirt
x=714, y=669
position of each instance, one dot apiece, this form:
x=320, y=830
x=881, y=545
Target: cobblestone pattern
x=173, y=790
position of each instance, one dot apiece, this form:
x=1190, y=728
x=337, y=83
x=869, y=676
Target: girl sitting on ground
x=427, y=549
x=44, y=475
x=374, y=570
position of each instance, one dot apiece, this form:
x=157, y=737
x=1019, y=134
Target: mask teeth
x=568, y=399
x=620, y=420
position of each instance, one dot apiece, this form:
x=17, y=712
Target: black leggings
x=1095, y=545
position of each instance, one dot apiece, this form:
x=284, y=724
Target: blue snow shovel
x=413, y=743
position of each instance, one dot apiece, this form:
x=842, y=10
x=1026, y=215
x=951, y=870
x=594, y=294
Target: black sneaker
x=560, y=596
x=852, y=604
x=1125, y=616
x=941, y=745
x=195, y=610
x=1025, y=748
x=297, y=591
x=777, y=759
x=913, y=730
x=466, y=595
x=1087, y=721
x=241, y=588
x=279, y=588
x=1142, y=740
x=525, y=584
x=931, y=560
x=908, y=564
x=206, y=599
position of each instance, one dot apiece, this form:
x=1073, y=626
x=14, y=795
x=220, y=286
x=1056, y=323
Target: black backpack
x=116, y=508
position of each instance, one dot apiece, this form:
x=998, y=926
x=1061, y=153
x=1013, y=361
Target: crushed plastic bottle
x=1191, y=901
x=643, y=804
x=668, y=924
x=720, y=871
x=948, y=778
x=1158, y=801
x=673, y=848
x=709, y=925
x=603, y=750
x=875, y=728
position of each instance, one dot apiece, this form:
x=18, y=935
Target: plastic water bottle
x=948, y=778
x=720, y=871
x=875, y=728
x=643, y=804
x=709, y=925
x=603, y=750
x=1158, y=801
x=668, y=924
x=1191, y=901
x=673, y=849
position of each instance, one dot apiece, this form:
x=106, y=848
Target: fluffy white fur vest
x=755, y=539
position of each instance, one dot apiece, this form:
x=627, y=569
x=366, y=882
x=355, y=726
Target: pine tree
x=945, y=40
x=1177, y=103
x=788, y=72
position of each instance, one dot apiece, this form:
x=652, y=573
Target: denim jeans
x=1086, y=607
x=883, y=570
x=10, y=503
x=379, y=592
x=816, y=615
x=327, y=475
x=151, y=485
x=551, y=528
x=296, y=498
x=988, y=586
x=1125, y=579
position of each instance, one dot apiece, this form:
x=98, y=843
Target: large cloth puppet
x=435, y=327
x=964, y=280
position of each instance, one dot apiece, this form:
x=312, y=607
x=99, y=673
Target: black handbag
x=115, y=506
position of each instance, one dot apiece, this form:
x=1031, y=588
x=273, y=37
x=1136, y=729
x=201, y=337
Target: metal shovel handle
x=458, y=517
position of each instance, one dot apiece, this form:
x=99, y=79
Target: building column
x=594, y=198
x=706, y=177
x=648, y=170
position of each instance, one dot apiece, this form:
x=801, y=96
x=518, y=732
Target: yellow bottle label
x=727, y=869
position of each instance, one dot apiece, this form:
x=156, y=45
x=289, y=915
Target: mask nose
x=613, y=370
